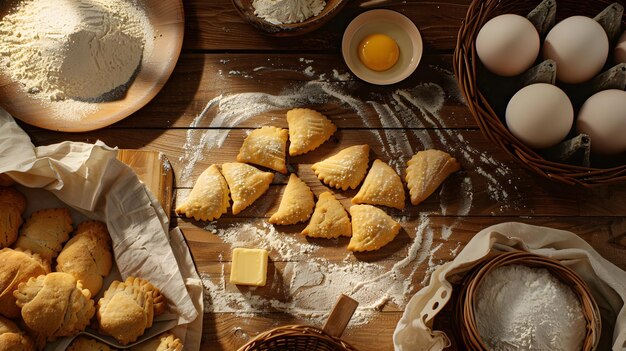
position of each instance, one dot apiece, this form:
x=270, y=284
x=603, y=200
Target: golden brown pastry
x=265, y=147
x=372, y=228
x=246, y=183
x=164, y=342
x=382, y=186
x=12, y=206
x=330, y=219
x=87, y=256
x=55, y=305
x=45, y=232
x=128, y=308
x=82, y=343
x=308, y=129
x=296, y=205
x=208, y=199
x=344, y=170
x=426, y=170
x=12, y=338
x=17, y=266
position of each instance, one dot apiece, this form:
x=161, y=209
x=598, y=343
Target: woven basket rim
x=465, y=63
x=464, y=308
x=293, y=331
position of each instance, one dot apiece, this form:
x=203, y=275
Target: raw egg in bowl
x=382, y=47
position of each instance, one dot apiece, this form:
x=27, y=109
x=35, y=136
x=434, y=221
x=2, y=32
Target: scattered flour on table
x=287, y=11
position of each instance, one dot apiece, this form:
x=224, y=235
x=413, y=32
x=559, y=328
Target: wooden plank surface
x=231, y=79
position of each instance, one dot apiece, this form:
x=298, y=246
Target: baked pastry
x=82, y=343
x=12, y=338
x=265, y=147
x=308, y=129
x=5, y=180
x=208, y=199
x=12, y=206
x=426, y=170
x=127, y=309
x=17, y=266
x=296, y=205
x=164, y=342
x=330, y=219
x=87, y=256
x=382, y=186
x=246, y=183
x=372, y=228
x=45, y=232
x=344, y=170
x=55, y=305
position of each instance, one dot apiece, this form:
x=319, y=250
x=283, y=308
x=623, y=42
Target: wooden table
x=222, y=55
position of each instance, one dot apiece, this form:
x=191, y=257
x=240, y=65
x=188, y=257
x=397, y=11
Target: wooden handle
x=340, y=316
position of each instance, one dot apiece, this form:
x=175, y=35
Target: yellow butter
x=249, y=267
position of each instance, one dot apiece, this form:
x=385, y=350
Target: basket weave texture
x=465, y=68
x=464, y=308
x=296, y=338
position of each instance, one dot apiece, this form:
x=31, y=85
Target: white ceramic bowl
x=393, y=24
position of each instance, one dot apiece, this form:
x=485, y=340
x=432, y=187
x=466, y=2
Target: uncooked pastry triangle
x=372, y=228
x=296, y=205
x=265, y=147
x=345, y=169
x=330, y=219
x=308, y=129
x=426, y=170
x=382, y=186
x=246, y=183
x=209, y=198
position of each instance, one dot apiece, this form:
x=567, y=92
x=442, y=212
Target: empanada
x=296, y=205
x=382, y=186
x=246, y=183
x=12, y=206
x=12, y=338
x=308, y=129
x=372, y=228
x=426, y=170
x=45, y=232
x=329, y=220
x=127, y=309
x=265, y=147
x=345, y=169
x=82, y=343
x=55, y=305
x=164, y=342
x=87, y=256
x=17, y=266
x=208, y=199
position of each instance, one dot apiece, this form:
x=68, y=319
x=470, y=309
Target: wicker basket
x=464, y=306
x=466, y=68
x=302, y=337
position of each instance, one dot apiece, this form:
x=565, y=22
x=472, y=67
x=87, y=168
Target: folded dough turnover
x=246, y=183
x=372, y=228
x=265, y=147
x=308, y=129
x=12, y=206
x=45, y=232
x=382, y=186
x=425, y=172
x=296, y=204
x=164, y=342
x=344, y=170
x=329, y=220
x=16, y=267
x=12, y=338
x=209, y=198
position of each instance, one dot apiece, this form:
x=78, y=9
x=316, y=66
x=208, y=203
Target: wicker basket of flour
x=522, y=301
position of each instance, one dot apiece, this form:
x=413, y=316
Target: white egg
x=579, y=46
x=620, y=49
x=508, y=45
x=603, y=118
x=540, y=115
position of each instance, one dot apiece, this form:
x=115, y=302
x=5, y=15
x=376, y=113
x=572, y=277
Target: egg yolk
x=378, y=52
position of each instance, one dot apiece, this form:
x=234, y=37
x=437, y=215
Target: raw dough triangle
x=296, y=205
x=308, y=129
x=330, y=219
x=345, y=169
x=372, y=228
x=426, y=170
x=246, y=183
x=208, y=199
x=382, y=186
x=265, y=147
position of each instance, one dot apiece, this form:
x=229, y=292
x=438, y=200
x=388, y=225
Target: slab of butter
x=249, y=267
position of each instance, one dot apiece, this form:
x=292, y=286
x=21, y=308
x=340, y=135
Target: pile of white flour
x=73, y=49
x=523, y=308
x=287, y=11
